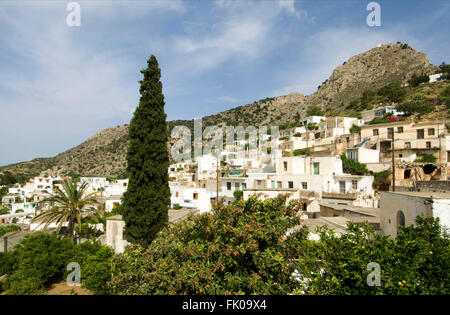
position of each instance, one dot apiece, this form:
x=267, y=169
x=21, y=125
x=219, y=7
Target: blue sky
x=60, y=85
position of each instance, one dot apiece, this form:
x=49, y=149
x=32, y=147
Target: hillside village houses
x=304, y=162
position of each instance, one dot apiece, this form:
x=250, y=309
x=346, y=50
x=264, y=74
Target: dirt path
x=62, y=288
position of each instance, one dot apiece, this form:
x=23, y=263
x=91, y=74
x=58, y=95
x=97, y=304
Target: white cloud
x=289, y=7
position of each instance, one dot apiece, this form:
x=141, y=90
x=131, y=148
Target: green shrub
x=24, y=282
x=425, y=158
x=94, y=260
x=176, y=206
x=415, y=263
x=41, y=259
x=353, y=167
x=314, y=110
x=46, y=254
x=8, y=228
x=238, y=194
x=355, y=129
x=236, y=249
x=416, y=106
x=417, y=79
x=7, y=262
x=305, y=151
x=393, y=92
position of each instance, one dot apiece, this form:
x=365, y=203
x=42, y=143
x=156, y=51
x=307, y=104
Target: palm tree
x=70, y=205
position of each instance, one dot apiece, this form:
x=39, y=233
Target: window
x=354, y=184
x=228, y=186
x=244, y=185
x=176, y=194
x=316, y=168
x=431, y=131
x=407, y=145
x=375, y=132
x=347, y=139
x=285, y=166
x=406, y=174
x=291, y=184
x=390, y=133
x=279, y=185
x=400, y=129
x=304, y=185
x=236, y=185
x=259, y=182
x=420, y=133
x=342, y=187
x=428, y=145
x=195, y=196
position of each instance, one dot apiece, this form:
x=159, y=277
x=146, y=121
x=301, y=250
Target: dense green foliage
x=3, y=191
x=393, y=92
x=236, y=249
x=7, y=178
x=353, y=167
x=42, y=258
x=417, y=79
x=39, y=258
x=426, y=158
x=416, y=106
x=147, y=199
x=305, y=151
x=314, y=110
x=244, y=249
x=8, y=228
x=416, y=262
x=238, y=194
x=355, y=129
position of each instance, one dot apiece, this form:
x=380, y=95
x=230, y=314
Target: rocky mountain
x=104, y=153
x=370, y=70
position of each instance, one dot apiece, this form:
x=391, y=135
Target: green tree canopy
x=314, y=110
x=237, y=249
x=393, y=92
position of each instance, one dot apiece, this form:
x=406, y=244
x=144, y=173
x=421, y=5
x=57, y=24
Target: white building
x=363, y=155
x=116, y=188
x=190, y=197
x=435, y=77
x=370, y=114
x=401, y=209
x=312, y=120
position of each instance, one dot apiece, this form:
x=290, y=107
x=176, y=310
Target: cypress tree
x=147, y=199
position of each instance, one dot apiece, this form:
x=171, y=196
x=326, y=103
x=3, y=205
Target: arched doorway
x=400, y=220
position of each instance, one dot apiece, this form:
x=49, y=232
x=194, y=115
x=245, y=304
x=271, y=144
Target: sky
x=61, y=84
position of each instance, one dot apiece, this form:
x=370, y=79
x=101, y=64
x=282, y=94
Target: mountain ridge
x=105, y=152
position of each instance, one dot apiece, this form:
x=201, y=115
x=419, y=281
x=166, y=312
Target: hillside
x=104, y=153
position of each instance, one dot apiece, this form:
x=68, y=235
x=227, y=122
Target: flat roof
x=423, y=194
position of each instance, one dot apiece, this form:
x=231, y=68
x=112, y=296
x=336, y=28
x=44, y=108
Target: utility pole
x=393, y=162
x=217, y=181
